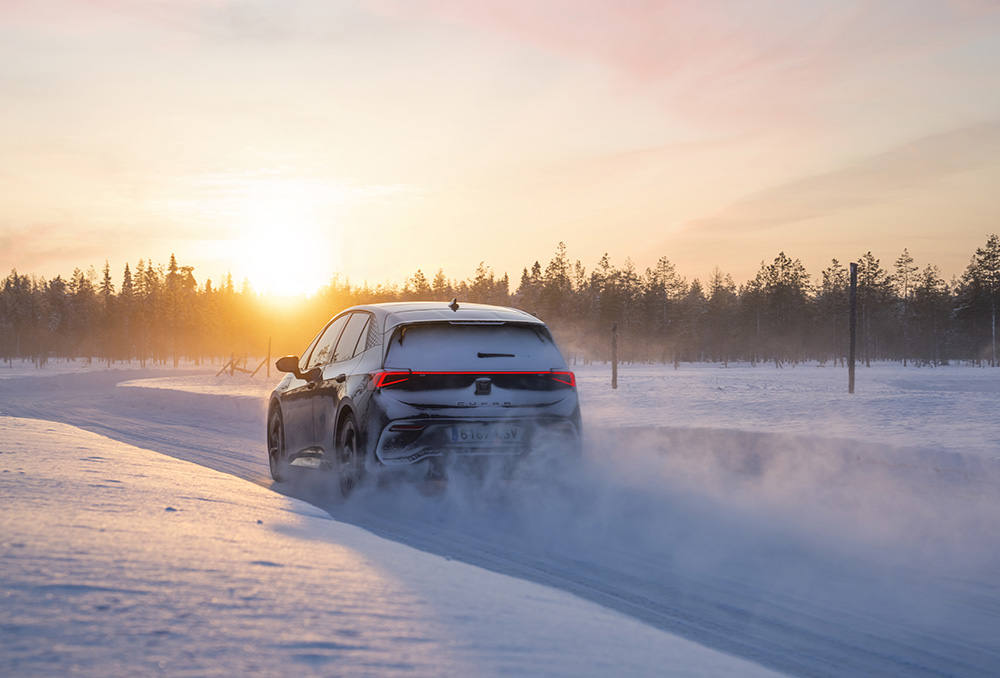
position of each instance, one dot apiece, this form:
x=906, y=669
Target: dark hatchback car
x=405, y=384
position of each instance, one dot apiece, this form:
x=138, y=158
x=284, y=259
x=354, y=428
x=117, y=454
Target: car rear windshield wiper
x=494, y=355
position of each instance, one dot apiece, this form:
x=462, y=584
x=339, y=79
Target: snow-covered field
x=762, y=513
x=25, y=368
x=951, y=408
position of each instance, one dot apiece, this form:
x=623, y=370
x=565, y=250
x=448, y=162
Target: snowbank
x=120, y=561
x=238, y=385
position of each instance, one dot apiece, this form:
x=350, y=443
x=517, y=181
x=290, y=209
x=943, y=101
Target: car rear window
x=480, y=348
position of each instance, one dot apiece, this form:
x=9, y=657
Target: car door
x=343, y=362
x=297, y=400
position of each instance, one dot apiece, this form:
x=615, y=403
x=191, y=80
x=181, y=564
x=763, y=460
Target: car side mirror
x=289, y=363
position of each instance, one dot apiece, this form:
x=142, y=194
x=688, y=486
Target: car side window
x=303, y=361
x=324, y=347
x=349, y=339
x=362, y=344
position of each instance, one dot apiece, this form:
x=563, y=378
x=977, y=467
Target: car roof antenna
x=454, y=304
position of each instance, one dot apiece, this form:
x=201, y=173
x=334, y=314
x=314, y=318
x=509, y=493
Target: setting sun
x=284, y=241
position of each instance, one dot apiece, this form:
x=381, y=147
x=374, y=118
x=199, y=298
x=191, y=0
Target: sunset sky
x=372, y=138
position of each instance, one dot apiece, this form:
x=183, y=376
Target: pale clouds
x=437, y=133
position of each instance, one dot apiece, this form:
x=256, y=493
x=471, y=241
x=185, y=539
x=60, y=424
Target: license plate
x=485, y=434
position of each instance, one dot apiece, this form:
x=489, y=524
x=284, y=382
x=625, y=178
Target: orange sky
x=372, y=138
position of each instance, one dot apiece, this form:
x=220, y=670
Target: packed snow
x=121, y=561
x=760, y=512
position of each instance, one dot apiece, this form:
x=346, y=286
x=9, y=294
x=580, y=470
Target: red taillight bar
x=567, y=378
x=380, y=379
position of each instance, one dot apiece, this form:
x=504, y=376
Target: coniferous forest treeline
x=907, y=313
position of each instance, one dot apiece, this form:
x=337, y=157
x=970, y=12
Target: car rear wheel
x=350, y=460
x=276, y=445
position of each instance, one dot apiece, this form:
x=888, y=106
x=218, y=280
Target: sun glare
x=286, y=244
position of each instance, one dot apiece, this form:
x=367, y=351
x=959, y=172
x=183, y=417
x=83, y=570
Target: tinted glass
x=349, y=339
x=479, y=348
x=372, y=338
x=324, y=347
x=303, y=360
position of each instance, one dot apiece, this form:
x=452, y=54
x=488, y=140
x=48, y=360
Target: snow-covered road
x=808, y=554
x=118, y=561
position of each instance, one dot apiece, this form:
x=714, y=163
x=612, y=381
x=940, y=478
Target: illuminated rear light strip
x=567, y=378
x=381, y=379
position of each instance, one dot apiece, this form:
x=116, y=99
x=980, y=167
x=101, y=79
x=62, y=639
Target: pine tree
x=987, y=269
x=126, y=307
x=693, y=310
x=555, y=285
x=440, y=287
x=419, y=285
x=719, y=315
x=874, y=294
x=151, y=315
x=529, y=290
x=57, y=320
x=832, y=308
x=482, y=286
x=17, y=313
x=931, y=306
x=107, y=329
x=906, y=269
x=785, y=288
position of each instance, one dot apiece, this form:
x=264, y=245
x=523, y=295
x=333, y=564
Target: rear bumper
x=407, y=441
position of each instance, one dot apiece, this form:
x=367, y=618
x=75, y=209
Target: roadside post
x=853, y=326
x=614, y=355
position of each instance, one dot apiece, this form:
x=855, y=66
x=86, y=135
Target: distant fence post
x=614, y=355
x=268, y=357
x=853, y=326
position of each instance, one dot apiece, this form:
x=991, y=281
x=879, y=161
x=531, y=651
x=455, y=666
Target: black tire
x=276, y=452
x=350, y=456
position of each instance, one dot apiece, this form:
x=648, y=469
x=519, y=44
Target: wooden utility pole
x=614, y=355
x=993, y=325
x=853, y=326
x=268, y=358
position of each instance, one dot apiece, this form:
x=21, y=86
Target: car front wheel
x=276, y=445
